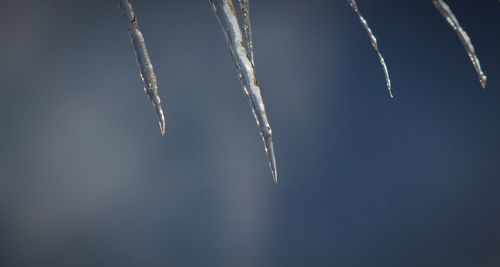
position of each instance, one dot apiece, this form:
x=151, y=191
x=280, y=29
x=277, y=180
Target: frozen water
x=373, y=40
x=446, y=12
x=241, y=51
x=147, y=73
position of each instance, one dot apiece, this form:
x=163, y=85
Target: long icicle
x=374, y=44
x=147, y=73
x=241, y=52
x=446, y=12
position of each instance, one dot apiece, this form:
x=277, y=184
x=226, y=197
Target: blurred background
x=365, y=180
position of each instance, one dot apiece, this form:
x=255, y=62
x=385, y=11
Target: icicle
x=242, y=56
x=374, y=44
x=147, y=73
x=446, y=12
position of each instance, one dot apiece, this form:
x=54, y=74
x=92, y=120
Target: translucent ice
x=374, y=43
x=241, y=51
x=446, y=12
x=147, y=73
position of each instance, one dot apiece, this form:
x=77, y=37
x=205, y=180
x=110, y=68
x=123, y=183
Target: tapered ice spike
x=373, y=40
x=147, y=73
x=446, y=12
x=241, y=51
x=271, y=159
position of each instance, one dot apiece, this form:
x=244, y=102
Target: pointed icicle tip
x=272, y=164
x=271, y=158
x=162, y=127
x=274, y=171
x=483, y=80
x=161, y=121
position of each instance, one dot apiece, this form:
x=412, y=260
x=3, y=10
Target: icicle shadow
x=147, y=73
x=446, y=12
x=241, y=51
x=373, y=40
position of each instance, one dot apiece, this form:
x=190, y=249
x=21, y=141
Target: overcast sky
x=365, y=180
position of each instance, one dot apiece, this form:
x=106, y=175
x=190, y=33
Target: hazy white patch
x=26, y=27
x=80, y=171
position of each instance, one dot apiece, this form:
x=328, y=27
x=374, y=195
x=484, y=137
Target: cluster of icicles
x=235, y=24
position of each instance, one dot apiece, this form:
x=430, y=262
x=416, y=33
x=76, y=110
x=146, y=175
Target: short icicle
x=147, y=73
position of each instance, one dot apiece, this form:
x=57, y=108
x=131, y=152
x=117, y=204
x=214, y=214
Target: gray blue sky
x=365, y=180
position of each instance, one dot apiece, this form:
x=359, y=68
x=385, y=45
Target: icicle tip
x=162, y=128
x=161, y=120
x=271, y=158
x=483, y=80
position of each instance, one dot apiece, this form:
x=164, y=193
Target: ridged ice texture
x=245, y=12
x=241, y=51
x=147, y=73
x=374, y=44
x=446, y=12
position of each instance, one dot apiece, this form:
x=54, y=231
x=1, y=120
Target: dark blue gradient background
x=365, y=180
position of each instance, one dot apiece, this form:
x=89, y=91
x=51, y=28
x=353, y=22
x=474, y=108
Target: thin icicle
x=147, y=73
x=242, y=56
x=446, y=12
x=374, y=44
